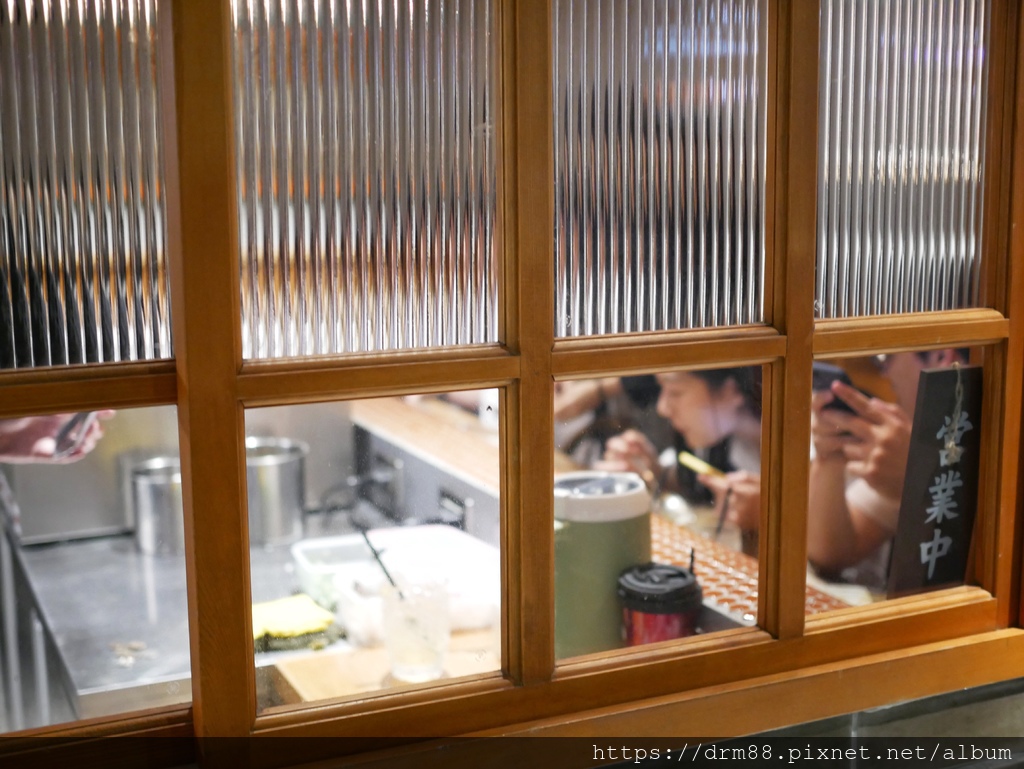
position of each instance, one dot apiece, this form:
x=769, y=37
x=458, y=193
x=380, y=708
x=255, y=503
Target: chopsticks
x=722, y=512
x=699, y=466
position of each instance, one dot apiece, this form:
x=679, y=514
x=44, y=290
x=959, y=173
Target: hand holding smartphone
x=73, y=433
x=823, y=375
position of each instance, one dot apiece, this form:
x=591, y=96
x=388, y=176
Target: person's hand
x=878, y=439
x=827, y=435
x=741, y=492
x=33, y=439
x=630, y=451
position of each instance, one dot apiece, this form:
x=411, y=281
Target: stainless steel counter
x=119, y=618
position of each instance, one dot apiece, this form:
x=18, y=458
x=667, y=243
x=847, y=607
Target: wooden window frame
x=725, y=684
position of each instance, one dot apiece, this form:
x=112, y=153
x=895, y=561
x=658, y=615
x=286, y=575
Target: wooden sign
x=940, y=490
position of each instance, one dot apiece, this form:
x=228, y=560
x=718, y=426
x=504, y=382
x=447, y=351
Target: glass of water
x=416, y=630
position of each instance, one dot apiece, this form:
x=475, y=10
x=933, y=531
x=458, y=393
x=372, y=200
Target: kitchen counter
x=335, y=673
x=120, y=618
x=447, y=436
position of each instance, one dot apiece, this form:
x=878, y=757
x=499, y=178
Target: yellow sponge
x=297, y=615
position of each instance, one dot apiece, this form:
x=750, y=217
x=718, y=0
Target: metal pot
x=276, y=474
x=156, y=498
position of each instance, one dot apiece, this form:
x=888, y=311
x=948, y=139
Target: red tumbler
x=659, y=602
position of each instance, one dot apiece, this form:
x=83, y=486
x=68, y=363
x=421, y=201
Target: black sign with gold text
x=940, y=490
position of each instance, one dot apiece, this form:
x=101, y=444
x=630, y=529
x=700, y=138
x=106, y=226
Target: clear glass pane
x=83, y=273
x=656, y=469
x=894, y=473
x=92, y=568
x=416, y=479
x=901, y=150
x=659, y=164
x=366, y=175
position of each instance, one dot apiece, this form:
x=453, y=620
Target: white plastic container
x=317, y=561
x=341, y=575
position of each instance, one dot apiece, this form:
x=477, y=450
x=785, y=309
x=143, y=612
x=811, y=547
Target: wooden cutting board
x=329, y=674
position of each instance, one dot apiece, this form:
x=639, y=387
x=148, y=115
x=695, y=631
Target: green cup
x=602, y=528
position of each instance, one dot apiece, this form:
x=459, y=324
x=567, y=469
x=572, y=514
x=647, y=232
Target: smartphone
x=823, y=375
x=73, y=433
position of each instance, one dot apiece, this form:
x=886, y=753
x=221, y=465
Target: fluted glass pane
x=659, y=164
x=366, y=174
x=83, y=274
x=901, y=144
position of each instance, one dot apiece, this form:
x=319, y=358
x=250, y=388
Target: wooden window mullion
x=1007, y=578
x=203, y=246
x=999, y=138
x=793, y=92
x=529, y=226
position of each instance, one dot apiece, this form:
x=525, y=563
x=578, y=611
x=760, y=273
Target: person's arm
x=33, y=439
x=846, y=522
x=833, y=539
x=577, y=397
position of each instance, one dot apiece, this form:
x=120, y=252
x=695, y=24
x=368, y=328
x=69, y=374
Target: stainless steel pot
x=276, y=474
x=156, y=498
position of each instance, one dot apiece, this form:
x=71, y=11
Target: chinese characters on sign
x=942, y=496
x=940, y=488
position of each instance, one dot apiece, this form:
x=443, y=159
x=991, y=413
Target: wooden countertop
x=443, y=434
x=329, y=674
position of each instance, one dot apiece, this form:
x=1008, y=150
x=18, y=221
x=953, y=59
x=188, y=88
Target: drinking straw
x=383, y=568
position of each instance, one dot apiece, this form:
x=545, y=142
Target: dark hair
x=964, y=353
x=748, y=382
x=747, y=379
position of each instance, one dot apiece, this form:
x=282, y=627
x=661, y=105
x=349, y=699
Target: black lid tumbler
x=659, y=602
